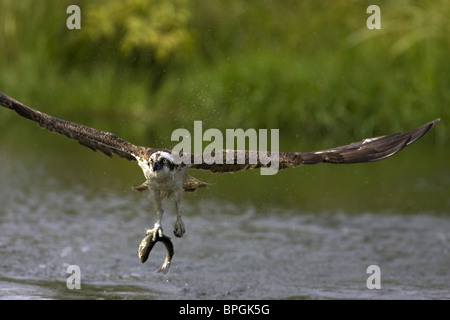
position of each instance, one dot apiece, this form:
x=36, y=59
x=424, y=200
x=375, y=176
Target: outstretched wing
x=94, y=139
x=367, y=150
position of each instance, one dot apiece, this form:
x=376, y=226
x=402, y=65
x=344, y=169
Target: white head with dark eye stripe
x=161, y=162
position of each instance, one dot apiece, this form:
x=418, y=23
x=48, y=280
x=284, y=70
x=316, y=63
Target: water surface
x=306, y=233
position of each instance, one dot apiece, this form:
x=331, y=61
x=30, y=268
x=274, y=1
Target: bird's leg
x=157, y=229
x=178, y=228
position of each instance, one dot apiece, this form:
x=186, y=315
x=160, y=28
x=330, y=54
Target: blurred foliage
x=147, y=26
x=143, y=68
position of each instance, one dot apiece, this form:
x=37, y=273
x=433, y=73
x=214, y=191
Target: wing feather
x=94, y=139
x=367, y=150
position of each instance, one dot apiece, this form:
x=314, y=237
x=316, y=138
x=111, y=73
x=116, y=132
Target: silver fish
x=147, y=244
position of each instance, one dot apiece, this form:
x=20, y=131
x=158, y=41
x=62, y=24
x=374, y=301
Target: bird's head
x=161, y=162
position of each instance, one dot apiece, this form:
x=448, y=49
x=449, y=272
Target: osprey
x=165, y=179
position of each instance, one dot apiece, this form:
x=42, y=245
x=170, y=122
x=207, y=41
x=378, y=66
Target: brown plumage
x=367, y=150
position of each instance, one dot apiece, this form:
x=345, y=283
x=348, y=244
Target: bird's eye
x=164, y=160
x=151, y=160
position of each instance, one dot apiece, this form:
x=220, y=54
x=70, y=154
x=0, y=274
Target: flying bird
x=167, y=179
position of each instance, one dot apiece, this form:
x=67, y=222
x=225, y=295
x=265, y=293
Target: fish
x=147, y=244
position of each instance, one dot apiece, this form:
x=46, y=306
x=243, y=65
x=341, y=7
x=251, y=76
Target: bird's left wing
x=94, y=139
x=367, y=150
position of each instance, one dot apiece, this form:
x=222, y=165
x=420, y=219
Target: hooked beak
x=157, y=166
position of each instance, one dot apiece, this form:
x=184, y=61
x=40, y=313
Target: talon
x=156, y=232
x=179, y=228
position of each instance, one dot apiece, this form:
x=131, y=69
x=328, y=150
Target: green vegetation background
x=142, y=68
